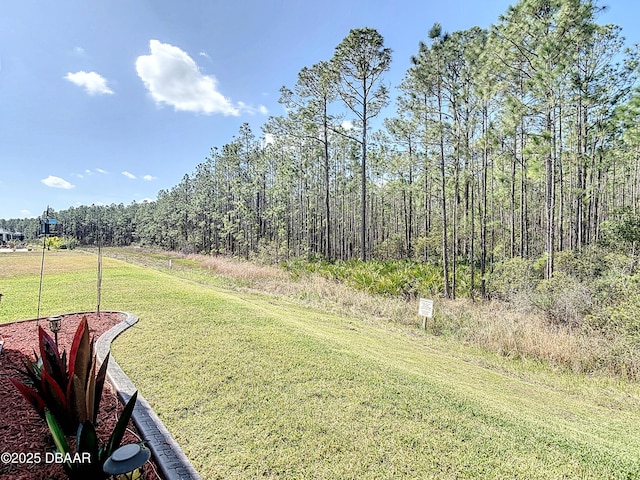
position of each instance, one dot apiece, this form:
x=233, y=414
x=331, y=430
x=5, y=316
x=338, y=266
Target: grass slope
x=253, y=386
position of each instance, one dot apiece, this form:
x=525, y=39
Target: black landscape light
x=55, y=322
x=127, y=462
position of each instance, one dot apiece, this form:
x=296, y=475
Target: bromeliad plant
x=71, y=390
x=87, y=443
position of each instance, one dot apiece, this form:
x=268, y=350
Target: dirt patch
x=22, y=430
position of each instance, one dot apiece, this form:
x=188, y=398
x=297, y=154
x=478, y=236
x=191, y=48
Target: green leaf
x=58, y=437
x=87, y=439
x=88, y=442
x=121, y=426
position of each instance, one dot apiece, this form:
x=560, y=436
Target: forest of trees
x=521, y=140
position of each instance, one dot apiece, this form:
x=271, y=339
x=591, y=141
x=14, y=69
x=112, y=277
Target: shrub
x=622, y=318
x=69, y=243
x=87, y=443
x=393, y=247
x=428, y=248
x=613, y=288
x=563, y=298
x=54, y=242
x=593, y=262
x=511, y=278
x=71, y=390
x=584, y=266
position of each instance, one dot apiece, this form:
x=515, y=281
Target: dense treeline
x=517, y=141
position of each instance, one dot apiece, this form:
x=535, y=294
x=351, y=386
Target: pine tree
x=359, y=62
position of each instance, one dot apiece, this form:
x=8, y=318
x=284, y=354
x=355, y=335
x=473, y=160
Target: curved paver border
x=171, y=460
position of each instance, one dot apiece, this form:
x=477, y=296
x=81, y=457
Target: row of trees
x=519, y=140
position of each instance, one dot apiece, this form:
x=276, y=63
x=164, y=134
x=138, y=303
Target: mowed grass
x=69, y=280
x=253, y=386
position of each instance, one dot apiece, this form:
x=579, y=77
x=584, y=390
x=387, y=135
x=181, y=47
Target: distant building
x=7, y=236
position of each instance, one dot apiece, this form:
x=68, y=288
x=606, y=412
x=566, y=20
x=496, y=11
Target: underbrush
x=593, y=298
x=584, y=319
x=405, y=278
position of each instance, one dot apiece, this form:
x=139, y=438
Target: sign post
x=425, y=309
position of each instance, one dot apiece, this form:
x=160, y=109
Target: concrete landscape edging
x=171, y=460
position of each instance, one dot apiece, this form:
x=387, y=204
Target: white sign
x=426, y=308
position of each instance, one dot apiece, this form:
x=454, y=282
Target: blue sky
x=111, y=101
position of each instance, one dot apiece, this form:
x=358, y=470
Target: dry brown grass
x=14, y=264
x=502, y=328
x=313, y=290
x=238, y=269
x=498, y=327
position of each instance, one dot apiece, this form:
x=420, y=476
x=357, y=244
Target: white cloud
x=88, y=172
x=347, y=124
x=79, y=51
x=174, y=78
x=149, y=178
x=204, y=54
x=57, y=182
x=129, y=175
x=252, y=110
x=26, y=213
x=93, y=83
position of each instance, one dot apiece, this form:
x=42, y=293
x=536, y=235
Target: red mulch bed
x=22, y=430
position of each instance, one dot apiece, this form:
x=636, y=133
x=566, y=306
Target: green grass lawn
x=255, y=386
